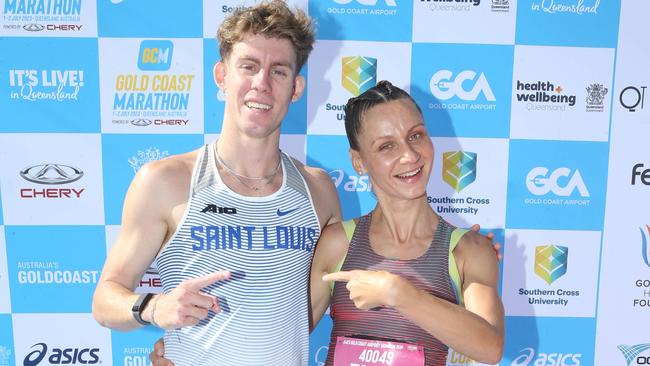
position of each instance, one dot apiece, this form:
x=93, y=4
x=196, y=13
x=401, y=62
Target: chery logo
x=51, y=174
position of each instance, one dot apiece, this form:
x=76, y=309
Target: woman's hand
x=371, y=289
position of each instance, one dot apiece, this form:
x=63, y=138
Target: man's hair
x=271, y=19
x=357, y=107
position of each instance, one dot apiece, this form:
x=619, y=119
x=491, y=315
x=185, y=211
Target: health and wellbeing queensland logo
x=543, y=96
x=459, y=169
x=551, y=262
x=633, y=355
x=358, y=73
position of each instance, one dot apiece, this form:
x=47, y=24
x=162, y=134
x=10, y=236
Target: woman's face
x=395, y=150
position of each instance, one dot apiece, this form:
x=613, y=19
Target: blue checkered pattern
x=547, y=96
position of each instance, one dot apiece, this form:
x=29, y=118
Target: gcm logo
x=546, y=359
x=353, y=184
x=539, y=182
x=445, y=86
x=366, y=2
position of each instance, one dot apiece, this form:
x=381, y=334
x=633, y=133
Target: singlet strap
x=349, y=227
x=454, y=275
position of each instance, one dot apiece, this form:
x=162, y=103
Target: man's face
x=259, y=79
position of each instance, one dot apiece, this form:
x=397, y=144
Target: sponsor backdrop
x=537, y=110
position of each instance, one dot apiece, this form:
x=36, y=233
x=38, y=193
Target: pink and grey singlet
x=430, y=272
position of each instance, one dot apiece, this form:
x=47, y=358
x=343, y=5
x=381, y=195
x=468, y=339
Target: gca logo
x=527, y=355
x=366, y=2
x=445, y=86
x=353, y=184
x=539, y=182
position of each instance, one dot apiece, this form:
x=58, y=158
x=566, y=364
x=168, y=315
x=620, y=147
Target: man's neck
x=253, y=157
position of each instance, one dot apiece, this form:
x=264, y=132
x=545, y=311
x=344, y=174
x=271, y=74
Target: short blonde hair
x=272, y=19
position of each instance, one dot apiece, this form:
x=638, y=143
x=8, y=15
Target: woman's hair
x=357, y=107
x=271, y=19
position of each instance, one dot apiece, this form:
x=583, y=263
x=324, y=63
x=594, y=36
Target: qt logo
x=551, y=262
x=459, y=169
x=445, y=86
x=540, y=183
x=366, y=2
x=632, y=98
x=358, y=74
x=155, y=55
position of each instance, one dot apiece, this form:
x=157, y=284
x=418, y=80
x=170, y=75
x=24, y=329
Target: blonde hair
x=272, y=19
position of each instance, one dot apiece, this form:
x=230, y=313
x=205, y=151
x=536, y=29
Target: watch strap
x=138, y=307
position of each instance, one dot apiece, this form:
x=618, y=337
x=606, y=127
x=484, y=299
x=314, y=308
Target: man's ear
x=220, y=73
x=298, y=88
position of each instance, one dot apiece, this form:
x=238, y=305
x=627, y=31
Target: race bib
x=367, y=352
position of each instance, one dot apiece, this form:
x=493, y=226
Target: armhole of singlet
x=193, y=182
x=307, y=190
x=349, y=227
x=454, y=275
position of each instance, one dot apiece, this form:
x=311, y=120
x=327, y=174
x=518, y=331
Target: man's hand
x=186, y=304
x=490, y=235
x=156, y=356
x=369, y=289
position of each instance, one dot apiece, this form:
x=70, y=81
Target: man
x=232, y=225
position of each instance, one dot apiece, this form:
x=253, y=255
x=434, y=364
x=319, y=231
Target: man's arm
x=144, y=228
x=154, y=202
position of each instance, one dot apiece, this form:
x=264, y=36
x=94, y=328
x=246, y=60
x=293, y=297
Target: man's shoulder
x=169, y=171
x=323, y=192
x=313, y=175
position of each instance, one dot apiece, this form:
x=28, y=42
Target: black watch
x=139, y=305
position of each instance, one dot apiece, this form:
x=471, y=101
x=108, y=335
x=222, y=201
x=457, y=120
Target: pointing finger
x=204, y=281
x=343, y=276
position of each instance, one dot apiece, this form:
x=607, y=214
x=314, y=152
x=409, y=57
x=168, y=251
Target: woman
x=403, y=258
x=406, y=284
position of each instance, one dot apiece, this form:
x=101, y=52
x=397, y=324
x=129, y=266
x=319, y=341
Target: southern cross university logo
x=358, y=73
x=551, y=262
x=459, y=169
